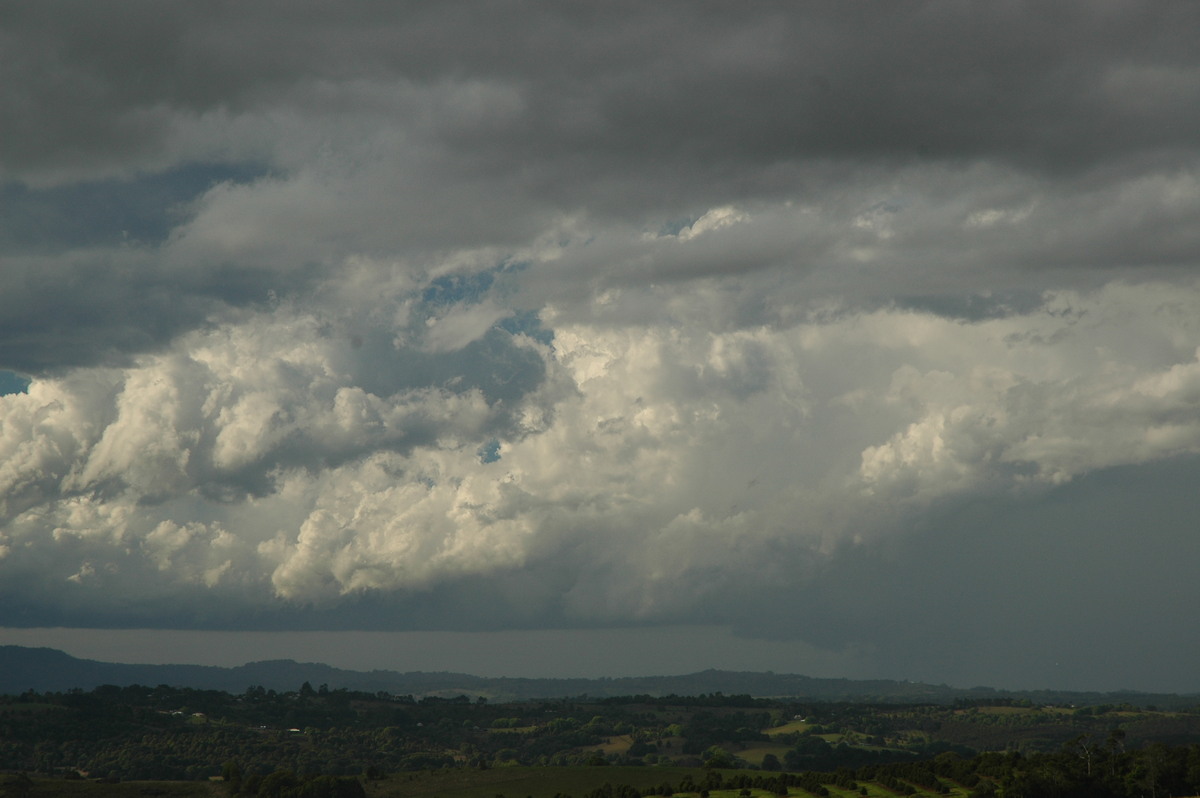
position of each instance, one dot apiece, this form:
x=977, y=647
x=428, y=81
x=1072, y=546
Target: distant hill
x=49, y=670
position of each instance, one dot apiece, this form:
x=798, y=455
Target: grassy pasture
x=787, y=728
x=618, y=744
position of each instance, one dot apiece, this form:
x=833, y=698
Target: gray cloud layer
x=492, y=316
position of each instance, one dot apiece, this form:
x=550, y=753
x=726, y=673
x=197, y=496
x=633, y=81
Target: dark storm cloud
x=1085, y=576
x=512, y=114
x=975, y=307
x=100, y=308
x=91, y=312
x=82, y=282
x=136, y=212
x=714, y=86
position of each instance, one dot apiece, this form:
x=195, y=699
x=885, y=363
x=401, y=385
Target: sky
x=831, y=338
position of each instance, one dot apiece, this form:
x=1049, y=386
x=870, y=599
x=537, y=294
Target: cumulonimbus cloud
x=449, y=315
x=654, y=464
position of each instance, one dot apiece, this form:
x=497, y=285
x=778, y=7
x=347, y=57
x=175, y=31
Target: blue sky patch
x=12, y=383
x=450, y=289
x=489, y=452
x=528, y=323
x=454, y=288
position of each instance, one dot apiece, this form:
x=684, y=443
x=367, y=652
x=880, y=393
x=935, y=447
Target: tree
x=716, y=757
x=984, y=789
x=231, y=773
x=278, y=784
x=1085, y=747
x=1116, y=747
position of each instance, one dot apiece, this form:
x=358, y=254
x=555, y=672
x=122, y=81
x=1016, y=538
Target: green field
x=788, y=728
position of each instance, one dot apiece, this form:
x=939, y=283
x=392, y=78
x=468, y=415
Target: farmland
x=322, y=743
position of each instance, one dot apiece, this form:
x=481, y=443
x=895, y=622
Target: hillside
x=45, y=669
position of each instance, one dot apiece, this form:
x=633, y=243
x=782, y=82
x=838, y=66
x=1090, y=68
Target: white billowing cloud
x=1089, y=382
x=198, y=431
x=149, y=441
x=388, y=523
x=192, y=551
x=46, y=431
x=653, y=467
x=714, y=219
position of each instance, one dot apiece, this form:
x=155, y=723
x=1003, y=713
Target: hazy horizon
x=534, y=654
x=550, y=654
